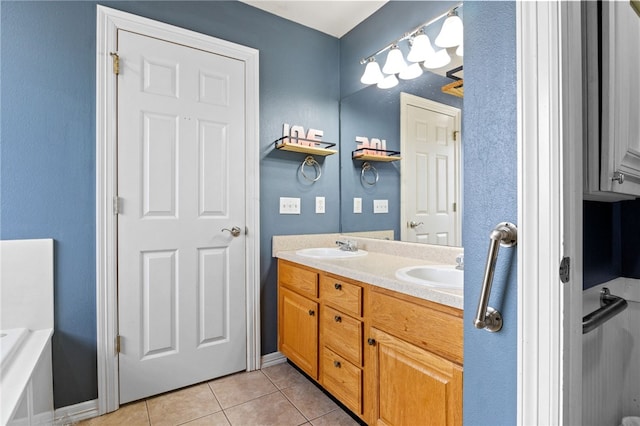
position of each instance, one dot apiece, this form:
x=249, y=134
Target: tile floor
x=277, y=395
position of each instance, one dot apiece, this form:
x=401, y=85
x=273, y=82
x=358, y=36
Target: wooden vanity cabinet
x=392, y=359
x=414, y=362
x=298, y=312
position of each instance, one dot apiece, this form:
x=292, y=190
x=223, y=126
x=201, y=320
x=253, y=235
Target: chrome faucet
x=347, y=245
x=460, y=262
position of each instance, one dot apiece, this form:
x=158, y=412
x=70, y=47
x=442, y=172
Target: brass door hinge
x=455, y=207
x=118, y=339
x=455, y=135
x=116, y=63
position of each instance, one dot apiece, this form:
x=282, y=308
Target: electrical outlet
x=289, y=205
x=357, y=205
x=319, y=204
x=380, y=206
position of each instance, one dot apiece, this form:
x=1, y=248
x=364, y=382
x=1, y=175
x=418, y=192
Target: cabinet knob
x=312, y=312
x=338, y=286
x=337, y=318
x=371, y=341
x=336, y=364
x=618, y=176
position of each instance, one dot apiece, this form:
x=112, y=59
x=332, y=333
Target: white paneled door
x=181, y=172
x=430, y=172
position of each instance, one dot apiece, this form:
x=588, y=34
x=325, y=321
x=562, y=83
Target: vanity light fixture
x=451, y=32
x=395, y=61
x=372, y=73
x=420, y=55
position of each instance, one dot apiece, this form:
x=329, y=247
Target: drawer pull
x=312, y=312
x=338, y=286
x=336, y=364
x=371, y=341
x=337, y=318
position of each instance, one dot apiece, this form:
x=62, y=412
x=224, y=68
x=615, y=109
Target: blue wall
x=375, y=113
x=490, y=197
x=47, y=173
x=611, y=245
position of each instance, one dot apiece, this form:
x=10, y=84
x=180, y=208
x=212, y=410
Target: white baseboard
x=74, y=413
x=274, y=358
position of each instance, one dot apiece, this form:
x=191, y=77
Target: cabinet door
x=414, y=386
x=620, y=98
x=298, y=330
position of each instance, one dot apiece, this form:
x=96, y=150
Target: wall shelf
x=320, y=148
x=385, y=156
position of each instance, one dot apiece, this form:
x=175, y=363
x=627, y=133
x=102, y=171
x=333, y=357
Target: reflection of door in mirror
x=431, y=171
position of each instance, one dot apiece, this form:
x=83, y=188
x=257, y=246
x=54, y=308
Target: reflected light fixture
x=439, y=60
x=411, y=72
x=372, y=73
x=388, y=82
x=421, y=53
x=421, y=48
x=452, y=31
x=395, y=61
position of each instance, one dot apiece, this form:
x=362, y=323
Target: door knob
x=235, y=231
x=414, y=225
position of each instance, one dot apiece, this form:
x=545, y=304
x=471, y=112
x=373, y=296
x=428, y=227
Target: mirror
x=375, y=113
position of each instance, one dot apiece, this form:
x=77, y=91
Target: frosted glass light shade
x=388, y=82
x=372, y=73
x=421, y=49
x=460, y=50
x=411, y=72
x=439, y=60
x=395, y=61
x=451, y=33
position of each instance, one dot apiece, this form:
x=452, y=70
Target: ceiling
x=333, y=17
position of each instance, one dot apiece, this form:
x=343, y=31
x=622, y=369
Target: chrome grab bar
x=505, y=234
x=610, y=306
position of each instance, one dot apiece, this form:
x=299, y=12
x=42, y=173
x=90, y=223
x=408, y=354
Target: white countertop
x=379, y=269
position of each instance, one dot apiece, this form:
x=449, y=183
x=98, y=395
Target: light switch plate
x=357, y=205
x=319, y=204
x=380, y=206
x=289, y=205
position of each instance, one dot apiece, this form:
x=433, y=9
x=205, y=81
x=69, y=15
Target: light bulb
x=411, y=72
x=421, y=48
x=439, y=60
x=388, y=82
x=372, y=73
x=395, y=61
x=452, y=31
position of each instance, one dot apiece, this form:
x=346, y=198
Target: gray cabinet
x=612, y=116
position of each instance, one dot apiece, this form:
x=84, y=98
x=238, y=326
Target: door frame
x=407, y=99
x=109, y=21
x=550, y=193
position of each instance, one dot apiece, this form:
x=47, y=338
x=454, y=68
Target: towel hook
x=366, y=166
x=310, y=161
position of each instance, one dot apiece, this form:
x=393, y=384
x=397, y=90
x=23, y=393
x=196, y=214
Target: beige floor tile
x=183, y=405
x=217, y=419
x=134, y=414
x=309, y=400
x=240, y=388
x=273, y=409
x=335, y=418
x=284, y=375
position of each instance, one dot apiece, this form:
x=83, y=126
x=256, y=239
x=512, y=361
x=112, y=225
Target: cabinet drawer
x=342, y=333
x=342, y=379
x=302, y=280
x=342, y=294
x=436, y=331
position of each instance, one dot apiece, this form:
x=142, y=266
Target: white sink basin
x=444, y=276
x=329, y=253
